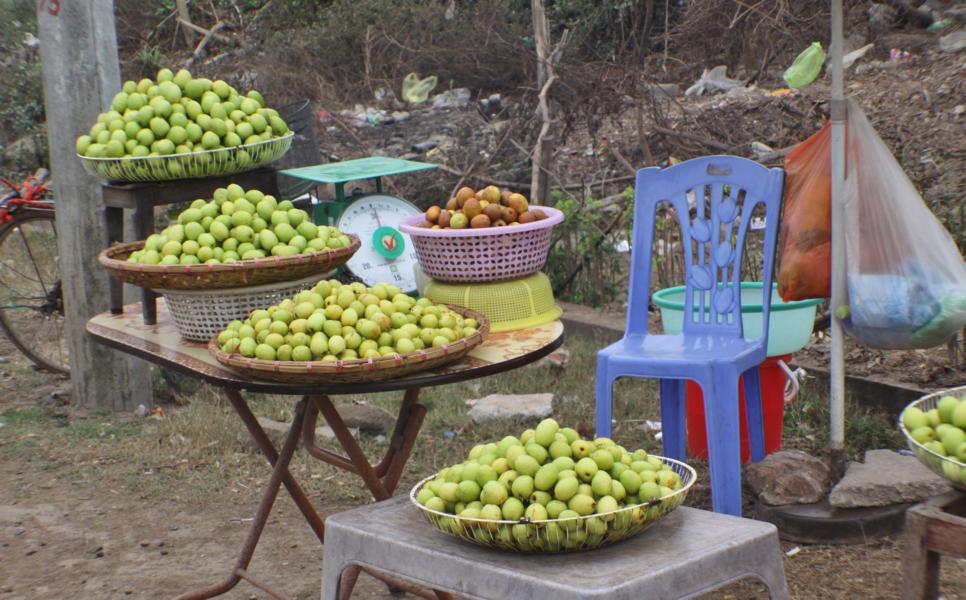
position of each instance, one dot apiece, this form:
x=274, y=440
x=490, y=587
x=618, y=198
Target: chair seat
x=666, y=354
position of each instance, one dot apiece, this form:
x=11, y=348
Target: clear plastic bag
x=906, y=277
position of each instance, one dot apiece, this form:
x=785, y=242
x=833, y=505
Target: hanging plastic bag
x=906, y=277
x=806, y=229
x=806, y=67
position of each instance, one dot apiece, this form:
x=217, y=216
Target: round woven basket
x=560, y=535
x=243, y=273
x=350, y=371
x=948, y=467
x=201, y=314
x=486, y=254
x=207, y=163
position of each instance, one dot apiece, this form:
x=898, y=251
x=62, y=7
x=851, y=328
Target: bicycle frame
x=29, y=194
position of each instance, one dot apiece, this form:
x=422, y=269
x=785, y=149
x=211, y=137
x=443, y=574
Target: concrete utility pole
x=78, y=45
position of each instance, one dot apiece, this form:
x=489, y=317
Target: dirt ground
x=112, y=506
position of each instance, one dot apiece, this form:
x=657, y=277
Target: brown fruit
x=518, y=202
x=539, y=214
x=505, y=196
x=480, y=221
x=490, y=194
x=472, y=208
x=527, y=217
x=444, y=217
x=425, y=225
x=509, y=215
x=452, y=204
x=432, y=214
x=499, y=223
x=494, y=212
x=464, y=194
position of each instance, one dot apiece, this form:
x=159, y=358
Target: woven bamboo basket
x=351, y=371
x=242, y=273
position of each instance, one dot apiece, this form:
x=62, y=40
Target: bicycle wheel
x=31, y=302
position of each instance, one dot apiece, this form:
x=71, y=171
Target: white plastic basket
x=202, y=314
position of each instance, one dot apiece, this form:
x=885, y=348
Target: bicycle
x=31, y=298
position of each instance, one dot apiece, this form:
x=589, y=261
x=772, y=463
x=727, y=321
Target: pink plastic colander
x=479, y=255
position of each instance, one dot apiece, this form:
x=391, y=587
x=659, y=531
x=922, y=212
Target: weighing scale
x=387, y=254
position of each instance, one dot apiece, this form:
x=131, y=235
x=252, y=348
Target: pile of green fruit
x=237, y=225
x=333, y=321
x=943, y=431
x=178, y=114
x=563, y=492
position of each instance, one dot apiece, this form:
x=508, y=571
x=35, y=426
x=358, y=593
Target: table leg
x=144, y=226
x=920, y=579
x=114, y=224
x=261, y=515
x=265, y=445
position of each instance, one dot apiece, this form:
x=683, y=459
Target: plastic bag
x=416, y=90
x=906, y=277
x=806, y=67
x=806, y=228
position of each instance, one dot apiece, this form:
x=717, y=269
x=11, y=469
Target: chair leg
x=603, y=398
x=724, y=440
x=755, y=412
x=672, y=418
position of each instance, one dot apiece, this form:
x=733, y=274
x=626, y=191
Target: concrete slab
x=886, y=478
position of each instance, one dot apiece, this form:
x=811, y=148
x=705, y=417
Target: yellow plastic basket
x=509, y=305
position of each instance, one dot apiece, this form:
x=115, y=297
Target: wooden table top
x=162, y=344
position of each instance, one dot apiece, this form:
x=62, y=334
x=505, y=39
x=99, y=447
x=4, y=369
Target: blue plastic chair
x=711, y=349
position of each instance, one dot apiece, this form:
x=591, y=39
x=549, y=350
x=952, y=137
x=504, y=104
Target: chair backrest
x=722, y=193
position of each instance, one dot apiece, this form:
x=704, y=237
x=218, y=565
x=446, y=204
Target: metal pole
x=838, y=109
x=78, y=47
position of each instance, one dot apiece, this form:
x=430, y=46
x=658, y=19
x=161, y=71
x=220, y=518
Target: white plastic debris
x=715, y=80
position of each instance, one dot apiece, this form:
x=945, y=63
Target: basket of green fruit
x=337, y=333
x=237, y=239
x=935, y=428
x=550, y=491
x=182, y=127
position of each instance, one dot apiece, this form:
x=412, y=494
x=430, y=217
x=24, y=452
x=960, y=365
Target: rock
x=141, y=411
x=788, y=477
x=276, y=432
x=505, y=406
x=886, y=478
x=366, y=417
x=953, y=42
x=23, y=151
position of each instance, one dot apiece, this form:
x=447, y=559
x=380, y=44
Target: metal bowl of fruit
x=514, y=518
x=935, y=428
x=204, y=163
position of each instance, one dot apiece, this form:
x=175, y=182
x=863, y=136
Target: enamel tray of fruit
x=935, y=428
x=551, y=491
x=337, y=333
x=179, y=127
x=239, y=238
x=480, y=236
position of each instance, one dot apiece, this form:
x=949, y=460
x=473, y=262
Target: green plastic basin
x=790, y=323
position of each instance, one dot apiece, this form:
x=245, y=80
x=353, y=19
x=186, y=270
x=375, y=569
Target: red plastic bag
x=805, y=268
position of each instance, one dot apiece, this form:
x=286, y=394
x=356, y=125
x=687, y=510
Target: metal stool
x=687, y=553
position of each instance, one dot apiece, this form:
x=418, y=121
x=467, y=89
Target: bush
x=21, y=90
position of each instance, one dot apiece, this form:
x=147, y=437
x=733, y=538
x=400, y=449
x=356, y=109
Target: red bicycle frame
x=29, y=193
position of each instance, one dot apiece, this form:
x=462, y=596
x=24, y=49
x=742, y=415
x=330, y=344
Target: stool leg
x=144, y=224
x=755, y=412
x=724, y=441
x=604, y=398
x=920, y=579
x=114, y=223
x=673, y=418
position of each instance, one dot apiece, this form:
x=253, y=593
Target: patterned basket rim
x=408, y=226
x=692, y=478
x=241, y=291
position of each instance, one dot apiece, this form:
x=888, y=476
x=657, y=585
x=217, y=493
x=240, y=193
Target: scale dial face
x=387, y=255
